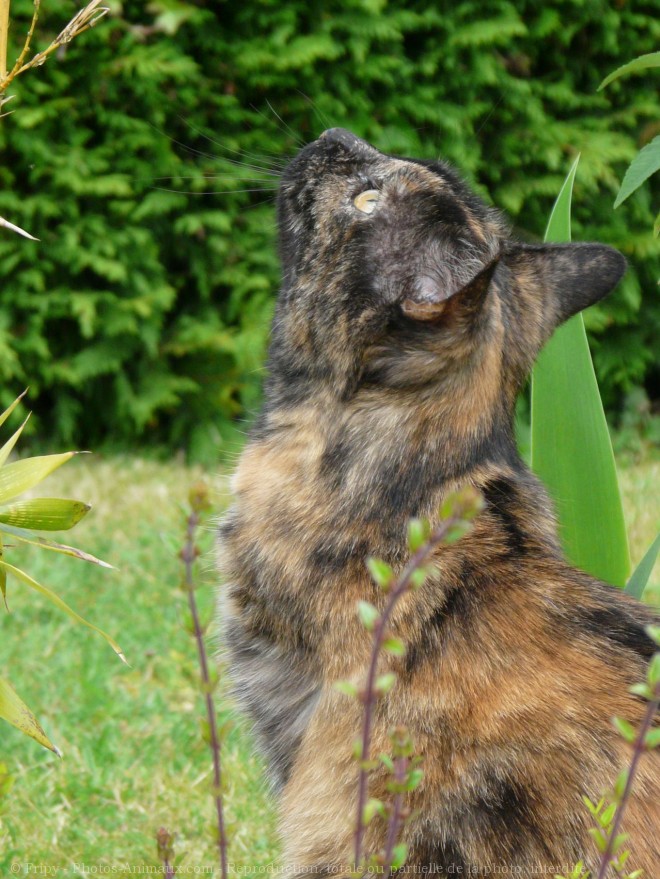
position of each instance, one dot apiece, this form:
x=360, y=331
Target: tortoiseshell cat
x=407, y=322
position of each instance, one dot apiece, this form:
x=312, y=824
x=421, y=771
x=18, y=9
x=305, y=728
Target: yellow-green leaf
x=19, y=476
x=5, y=451
x=28, y=537
x=5, y=415
x=571, y=447
x=3, y=575
x=45, y=514
x=642, y=572
x=16, y=712
x=645, y=163
x=52, y=596
x=643, y=62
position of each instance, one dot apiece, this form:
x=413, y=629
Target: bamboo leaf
x=5, y=415
x=56, y=600
x=45, y=514
x=19, y=476
x=643, y=62
x=16, y=712
x=44, y=543
x=3, y=576
x=645, y=163
x=14, y=228
x=571, y=447
x=640, y=576
x=6, y=450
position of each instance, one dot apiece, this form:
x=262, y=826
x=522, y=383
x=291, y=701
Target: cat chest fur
x=332, y=492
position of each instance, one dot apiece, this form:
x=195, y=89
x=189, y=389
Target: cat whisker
x=276, y=161
x=216, y=158
x=210, y=191
x=271, y=223
x=298, y=140
x=181, y=144
x=209, y=177
x=323, y=119
x=489, y=114
x=248, y=166
x=290, y=133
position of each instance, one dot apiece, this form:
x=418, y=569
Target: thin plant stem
x=165, y=846
x=26, y=46
x=394, y=824
x=188, y=556
x=400, y=586
x=4, y=33
x=81, y=21
x=639, y=748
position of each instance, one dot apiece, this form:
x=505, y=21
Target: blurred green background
x=140, y=318
x=144, y=156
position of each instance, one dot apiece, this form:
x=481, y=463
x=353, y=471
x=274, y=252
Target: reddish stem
x=165, y=846
x=369, y=698
x=188, y=555
x=639, y=748
x=394, y=824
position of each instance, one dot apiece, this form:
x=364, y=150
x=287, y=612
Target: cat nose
x=340, y=136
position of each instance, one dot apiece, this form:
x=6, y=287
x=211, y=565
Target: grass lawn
x=133, y=755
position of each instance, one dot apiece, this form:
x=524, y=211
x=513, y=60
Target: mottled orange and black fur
x=400, y=341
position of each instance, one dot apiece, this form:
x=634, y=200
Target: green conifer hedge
x=141, y=315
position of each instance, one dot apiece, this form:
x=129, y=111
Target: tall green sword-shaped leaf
x=571, y=447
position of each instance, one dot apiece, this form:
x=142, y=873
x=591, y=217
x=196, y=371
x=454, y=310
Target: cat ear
x=570, y=276
x=434, y=303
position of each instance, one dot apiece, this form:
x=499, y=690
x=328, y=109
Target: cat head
x=396, y=274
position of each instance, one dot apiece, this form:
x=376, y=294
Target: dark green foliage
x=142, y=314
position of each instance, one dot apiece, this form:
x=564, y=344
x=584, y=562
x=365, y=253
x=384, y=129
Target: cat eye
x=366, y=201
